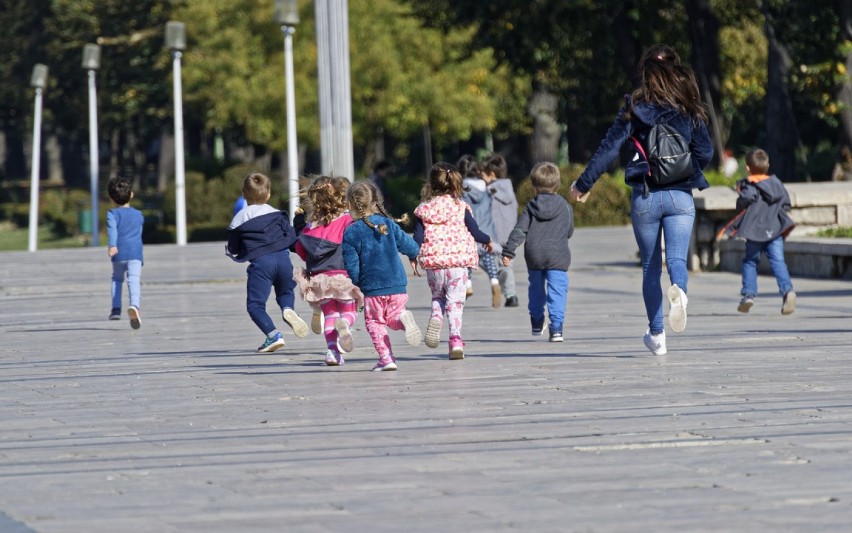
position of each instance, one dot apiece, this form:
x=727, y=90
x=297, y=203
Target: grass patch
x=17, y=239
x=845, y=233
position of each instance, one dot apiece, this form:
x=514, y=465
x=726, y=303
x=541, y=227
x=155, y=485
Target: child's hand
x=489, y=247
x=414, y=267
x=112, y=250
x=506, y=261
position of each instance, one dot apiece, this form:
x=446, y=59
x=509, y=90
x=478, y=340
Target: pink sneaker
x=456, y=347
x=385, y=363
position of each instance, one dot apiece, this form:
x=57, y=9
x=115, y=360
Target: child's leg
x=376, y=323
x=536, y=295
x=486, y=260
x=557, y=296
x=258, y=287
x=283, y=281
x=134, y=285
x=118, y=270
x=775, y=255
x=506, y=275
x=456, y=278
x=437, y=280
x=331, y=313
x=348, y=311
x=750, y=261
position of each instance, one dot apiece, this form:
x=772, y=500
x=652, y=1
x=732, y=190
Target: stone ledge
x=813, y=257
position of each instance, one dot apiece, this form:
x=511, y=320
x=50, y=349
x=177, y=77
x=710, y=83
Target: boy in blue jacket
x=764, y=202
x=262, y=235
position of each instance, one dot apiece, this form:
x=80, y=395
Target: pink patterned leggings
x=448, y=294
x=380, y=313
x=332, y=310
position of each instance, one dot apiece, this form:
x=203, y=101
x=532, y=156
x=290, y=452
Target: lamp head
x=91, y=57
x=287, y=12
x=39, y=78
x=175, y=35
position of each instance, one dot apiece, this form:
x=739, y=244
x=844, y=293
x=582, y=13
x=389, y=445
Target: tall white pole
x=94, y=167
x=324, y=88
x=292, y=148
x=35, y=171
x=180, y=178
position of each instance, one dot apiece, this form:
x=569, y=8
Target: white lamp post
x=39, y=82
x=287, y=15
x=92, y=62
x=176, y=41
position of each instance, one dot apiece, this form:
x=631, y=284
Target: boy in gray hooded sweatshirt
x=546, y=224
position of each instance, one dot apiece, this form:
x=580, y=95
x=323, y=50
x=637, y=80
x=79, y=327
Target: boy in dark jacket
x=546, y=225
x=262, y=235
x=764, y=224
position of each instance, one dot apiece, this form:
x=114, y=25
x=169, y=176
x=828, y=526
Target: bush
x=608, y=205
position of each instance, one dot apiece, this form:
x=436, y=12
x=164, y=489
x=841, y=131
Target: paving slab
x=746, y=424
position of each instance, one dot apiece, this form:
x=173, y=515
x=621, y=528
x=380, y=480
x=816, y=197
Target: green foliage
x=63, y=208
x=608, y=205
x=845, y=233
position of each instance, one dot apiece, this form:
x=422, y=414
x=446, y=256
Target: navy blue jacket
x=260, y=236
x=644, y=116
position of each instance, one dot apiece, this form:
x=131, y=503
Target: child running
x=124, y=246
x=261, y=234
x=371, y=248
x=447, y=233
x=546, y=225
x=324, y=282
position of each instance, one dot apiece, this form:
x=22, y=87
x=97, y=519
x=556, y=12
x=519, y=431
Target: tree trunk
x=167, y=160
x=844, y=94
x=53, y=151
x=781, y=132
x=543, y=108
x=704, y=34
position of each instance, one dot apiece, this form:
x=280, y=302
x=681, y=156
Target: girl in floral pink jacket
x=446, y=231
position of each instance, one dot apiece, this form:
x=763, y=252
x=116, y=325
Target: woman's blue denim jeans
x=133, y=270
x=669, y=214
x=774, y=250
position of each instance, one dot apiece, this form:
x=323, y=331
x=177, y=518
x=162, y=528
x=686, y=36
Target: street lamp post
x=287, y=16
x=92, y=62
x=176, y=41
x=39, y=82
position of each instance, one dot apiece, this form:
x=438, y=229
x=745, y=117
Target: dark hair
x=120, y=190
x=443, y=179
x=366, y=199
x=757, y=161
x=496, y=164
x=468, y=166
x=326, y=198
x=256, y=188
x=666, y=81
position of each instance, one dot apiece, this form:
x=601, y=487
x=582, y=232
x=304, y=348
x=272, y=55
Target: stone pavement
x=746, y=425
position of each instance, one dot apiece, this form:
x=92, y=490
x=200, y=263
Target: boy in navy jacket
x=262, y=235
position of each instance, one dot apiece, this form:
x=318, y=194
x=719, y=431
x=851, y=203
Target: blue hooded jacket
x=644, y=116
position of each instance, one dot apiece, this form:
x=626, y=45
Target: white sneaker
x=413, y=335
x=333, y=359
x=300, y=329
x=344, y=335
x=677, y=308
x=655, y=343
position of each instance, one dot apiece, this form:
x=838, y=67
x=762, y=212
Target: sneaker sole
x=745, y=307
x=433, y=333
x=413, y=335
x=386, y=368
x=789, y=304
x=456, y=354
x=556, y=340
x=135, y=321
x=496, y=297
x=316, y=323
x=344, y=336
x=677, y=313
x=658, y=351
x=272, y=347
x=300, y=329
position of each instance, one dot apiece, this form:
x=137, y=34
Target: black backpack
x=668, y=155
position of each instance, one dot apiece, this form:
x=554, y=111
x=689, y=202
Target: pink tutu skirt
x=319, y=287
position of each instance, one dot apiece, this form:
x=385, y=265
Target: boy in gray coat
x=546, y=225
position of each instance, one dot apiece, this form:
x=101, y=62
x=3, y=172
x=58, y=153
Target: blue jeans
x=133, y=270
x=269, y=271
x=550, y=287
x=774, y=250
x=668, y=213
